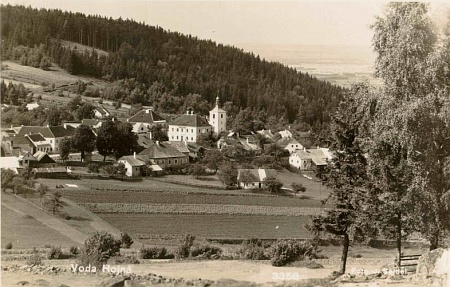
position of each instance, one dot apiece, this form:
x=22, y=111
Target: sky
x=234, y=22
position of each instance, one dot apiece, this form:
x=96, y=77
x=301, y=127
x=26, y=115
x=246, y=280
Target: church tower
x=218, y=118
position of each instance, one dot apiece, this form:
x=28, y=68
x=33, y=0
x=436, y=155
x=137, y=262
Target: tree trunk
x=434, y=240
x=104, y=158
x=399, y=239
x=82, y=155
x=344, y=253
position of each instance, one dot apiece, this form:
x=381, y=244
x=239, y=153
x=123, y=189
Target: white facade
x=188, y=127
x=218, y=118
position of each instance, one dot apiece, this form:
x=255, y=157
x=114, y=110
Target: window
x=221, y=116
x=172, y=137
x=177, y=137
x=214, y=116
x=169, y=161
x=177, y=129
x=50, y=141
x=192, y=138
x=176, y=161
x=172, y=129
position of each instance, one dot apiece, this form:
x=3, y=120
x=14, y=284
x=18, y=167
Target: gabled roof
x=101, y=109
x=29, y=130
x=318, y=156
x=266, y=133
x=19, y=140
x=161, y=151
x=90, y=122
x=132, y=160
x=285, y=133
x=60, y=131
x=43, y=157
x=259, y=174
x=283, y=142
x=146, y=116
x=191, y=120
x=36, y=138
x=144, y=140
x=27, y=156
x=179, y=145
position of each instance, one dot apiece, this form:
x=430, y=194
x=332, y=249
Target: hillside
x=161, y=68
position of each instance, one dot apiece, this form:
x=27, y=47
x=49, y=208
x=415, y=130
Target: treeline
x=168, y=65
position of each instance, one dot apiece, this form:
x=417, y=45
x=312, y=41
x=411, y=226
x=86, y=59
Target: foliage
x=115, y=170
x=54, y=202
x=207, y=140
x=197, y=170
x=65, y=146
x=287, y=251
x=228, y=174
x=126, y=240
x=254, y=249
x=155, y=253
x=158, y=133
x=273, y=184
x=184, y=248
x=83, y=140
x=298, y=187
x=42, y=190
x=55, y=253
x=9, y=246
x=212, y=159
x=93, y=167
x=74, y=250
x=86, y=111
x=205, y=251
x=155, y=66
x=35, y=258
x=99, y=248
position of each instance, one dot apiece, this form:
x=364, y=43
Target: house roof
x=146, y=116
x=318, y=156
x=285, y=133
x=29, y=130
x=27, y=156
x=36, y=138
x=179, y=145
x=132, y=160
x=161, y=151
x=144, y=140
x=259, y=174
x=266, y=133
x=49, y=170
x=101, y=109
x=191, y=120
x=40, y=155
x=90, y=122
x=31, y=106
x=283, y=142
x=60, y=131
x=19, y=140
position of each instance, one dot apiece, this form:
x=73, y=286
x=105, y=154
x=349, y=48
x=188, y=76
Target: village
x=165, y=147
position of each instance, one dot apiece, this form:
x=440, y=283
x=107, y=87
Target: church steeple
x=218, y=118
x=218, y=102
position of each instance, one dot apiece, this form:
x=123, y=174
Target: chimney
x=157, y=143
x=147, y=111
x=134, y=154
x=247, y=140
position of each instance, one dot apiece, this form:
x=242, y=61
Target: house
x=290, y=144
x=266, y=134
x=218, y=118
x=92, y=123
x=188, y=127
x=42, y=158
x=163, y=155
x=101, y=112
x=307, y=159
x=50, y=172
x=39, y=143
x=147, y=117
x=135, y=166
x=285, y=134
x=16, y=144
x=52, y=134
x=193, y=150
x=254, y=178
x=32, y=106
x=27, y=160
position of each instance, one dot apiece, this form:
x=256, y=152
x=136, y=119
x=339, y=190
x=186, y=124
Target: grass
x=210, y=226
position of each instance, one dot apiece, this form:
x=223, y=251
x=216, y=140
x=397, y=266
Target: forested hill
x=167, y=66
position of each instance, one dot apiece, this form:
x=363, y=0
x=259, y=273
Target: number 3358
x=285, y=276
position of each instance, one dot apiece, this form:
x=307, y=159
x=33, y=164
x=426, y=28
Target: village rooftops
x=147, y=116
x=132, y=160
x=259, y=174
x=190, y=120
x=318, y=156
x=46, y=131
x=161, y=150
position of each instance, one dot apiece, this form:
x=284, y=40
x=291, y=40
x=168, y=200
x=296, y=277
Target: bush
x=126, y=240
x=183, y=251
x=54, y=253
x=298, y=187
x=155, y=253
x=93, y=167
x=35, y=258
x=8, y=246
x=124, y=260
x=206, y=251
x=253, y=249
x=74, y=250
x=286, y=251
x=98, y=249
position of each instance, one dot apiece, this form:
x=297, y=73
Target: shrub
x=273, y=184
x=8, y=246
x=206, y=251
x=183, y=251
x=253, y=249
x=286, y=251
x=93, y=167
x=35, y=258
x=124, y=260
x=126, y=240
x=74, y=250
x=98, y=249
x=298, y=187
x=155, y=253
x=54, y=253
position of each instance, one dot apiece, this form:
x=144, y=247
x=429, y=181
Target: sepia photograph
x=225, y=143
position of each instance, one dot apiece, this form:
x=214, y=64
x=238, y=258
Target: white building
x=306, y=159
x=218, y=118
x=188, y=127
